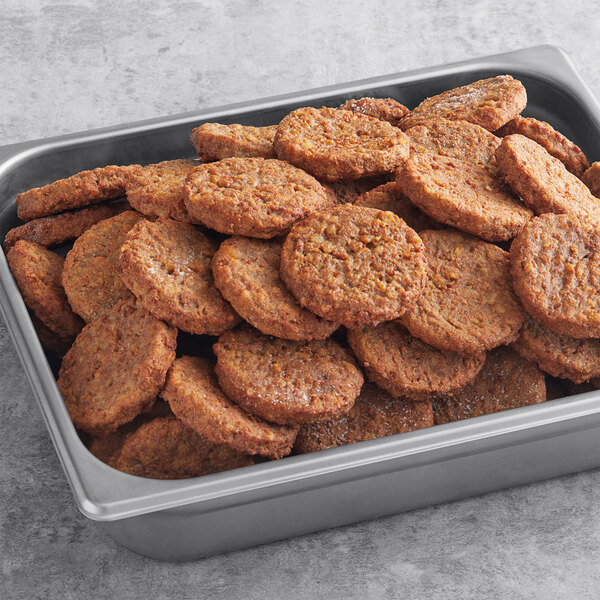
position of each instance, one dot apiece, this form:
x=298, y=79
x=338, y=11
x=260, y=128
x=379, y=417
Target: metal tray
x=182, y=520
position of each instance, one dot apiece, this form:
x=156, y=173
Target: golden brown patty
x=284, y=381
x=252, y=196
x=38, y=272
x=384, y=109
x=553, y=141
x=506, y=381
x=468, y=304
x=246, y=271
x=214, y=141
x=591, y=178
x=157, y=191
x=406, y=366
x=116, y=367
x=166, y=448
x=555, y=263
x=58, y=229
x=82, y=189
x=194, y=394
x=559, y=355
x=542, y=181
x=353, y=265
x=375, y=414
x=334, y=144
x=166, y=264
x=463, y=195
x=489, y=103
x=389, y=197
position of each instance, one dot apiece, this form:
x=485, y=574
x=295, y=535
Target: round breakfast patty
x=506, y=381
x=346, y=191
x=214, y=141
x=489, y=103
x=334, y=144
x=384, y=109
x=389, y=197
x=90, y=275
x=403, y=365
x=559, y=355
x=591, y=178
x=456, y=139
x=58, y=229
x=287, y=382
x=555, y=263
x=553, y=141
x=375, y=414
x=468, y=304
x=542, y=181
x=256, y=197
x=82, y=189
x=464, y=195
x=157, y=191
x=167, y=266
x=116, y=367
x=196, y=399
x=38, y=272
x=246, y=271
x=49, y=339
x=166, y=448
x=353, y=265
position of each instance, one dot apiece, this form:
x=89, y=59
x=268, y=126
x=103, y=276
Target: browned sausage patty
x=116, y=367
x=214, y=141
x=384, y=109
x=195, y=397
x=334, y=144
x=406, y=366
x=167, y=266
x=555, y=263
x=468, y=304
x=353, y=265
x=346, y=191
x=246, y=271
x=506, y=381
x=284, y=381
x=255, y=197
x=591, y=178
x=375, y=414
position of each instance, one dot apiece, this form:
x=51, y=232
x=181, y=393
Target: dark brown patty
x=353, y=265
x=489, y=103
x=506, y=381
x=255, y=197
x=542, y=181
x=375, y=414
x=334, y=144
x=384, y=109
x=214, y=141
x=406, y=366
x=346, y=191
x=591, y=178
x=90, y=275
x=167, y=266
x=194, y=394
x=284, y=381
x=116, y=367
x=468, y=304
x=246, y=271
x=555, y=264
x=38, y=273
x=77, y=191
x=463, y=195
x=58, y=229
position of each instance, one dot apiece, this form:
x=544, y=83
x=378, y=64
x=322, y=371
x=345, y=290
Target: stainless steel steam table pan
x=182, y=520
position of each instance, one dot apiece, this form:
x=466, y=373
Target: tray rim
x=98, y=489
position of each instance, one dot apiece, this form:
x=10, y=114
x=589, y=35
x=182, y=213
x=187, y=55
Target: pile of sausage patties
x=361, y=271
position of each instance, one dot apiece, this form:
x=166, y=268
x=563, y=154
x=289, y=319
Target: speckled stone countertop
x=76, y=65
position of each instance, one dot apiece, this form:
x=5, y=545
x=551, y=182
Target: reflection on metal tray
x=181, y=520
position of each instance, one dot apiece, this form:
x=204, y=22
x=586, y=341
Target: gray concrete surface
x=69, y=66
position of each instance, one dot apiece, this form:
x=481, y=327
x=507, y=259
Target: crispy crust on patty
x=195, y=397
x=334, y=144
x=167, y=266
x=214, y=141
x=384, y=109
x=287, y=382
x=354, y=265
